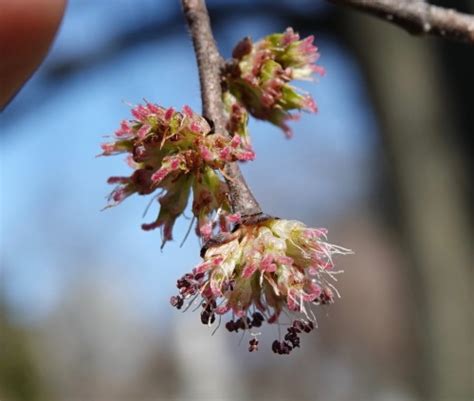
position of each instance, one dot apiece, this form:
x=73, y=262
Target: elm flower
x=274, y=271
x=259, y=76
x=175, y=153
x=237, y=118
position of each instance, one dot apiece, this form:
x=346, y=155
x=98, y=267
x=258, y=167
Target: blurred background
x=385, y=166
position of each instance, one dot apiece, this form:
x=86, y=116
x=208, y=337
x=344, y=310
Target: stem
x=419, y=17
x=209, y=63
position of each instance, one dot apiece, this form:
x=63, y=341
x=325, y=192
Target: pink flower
x=174, y=152
x=259, y=76
x=262, y=270
x=124, y=130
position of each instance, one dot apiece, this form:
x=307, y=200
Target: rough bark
x=419, y=17
x=209, y=64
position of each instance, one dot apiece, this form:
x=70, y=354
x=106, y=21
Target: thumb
x=27, y=29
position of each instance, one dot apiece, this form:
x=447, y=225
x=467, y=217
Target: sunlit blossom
x=274, y=271
x=175, y=154
x=259, y=76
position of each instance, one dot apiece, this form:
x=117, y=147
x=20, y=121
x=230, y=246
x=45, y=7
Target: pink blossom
x=260, y=78
x=269, y=267
x=235, y=142
x=188, y=111
x=289, y=36
x=143, y=131
x=233, y=218
x=169, y=113
x=108, y=148
x=124, y=130
x=140, y=113
x=195, y=127
x=249, y=270
x=159, y=175
x=175, y=152
x=155, y=109
x=206, y=230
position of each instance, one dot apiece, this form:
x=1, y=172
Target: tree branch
x=419, y=17
x=209, y=63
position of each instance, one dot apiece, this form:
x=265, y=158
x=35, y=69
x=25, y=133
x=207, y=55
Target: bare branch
x=209, y=63
x=419, y=17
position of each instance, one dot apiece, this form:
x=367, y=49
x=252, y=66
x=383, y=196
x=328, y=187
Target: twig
x=209, y=63
x=419, y=17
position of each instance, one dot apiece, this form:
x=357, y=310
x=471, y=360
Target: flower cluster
x=256, y=269
x=175, y=152
x=261, y=271
x=259, y=76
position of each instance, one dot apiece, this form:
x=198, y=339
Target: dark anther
x=295, y=342
x=257, y=319
x=209, y=306
x=281, y=348
x=276, y=346
x=286, y=347
x=198, y=276
x=292, y=337
x=327, y=296
x=308, y=326
x=253, y=345
x=258, y=316
x=207, y=317
x=240, y=324
x=298, y=325
x=231, y=326
x=176, y=301
x=293, y=331
x=183, y=283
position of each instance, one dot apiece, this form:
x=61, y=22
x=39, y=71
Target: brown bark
x=209, y=64
x=419, y=17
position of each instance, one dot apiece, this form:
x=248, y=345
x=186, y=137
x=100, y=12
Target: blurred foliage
x=19, y=375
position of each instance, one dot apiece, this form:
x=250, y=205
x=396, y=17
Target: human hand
x=27, y=29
